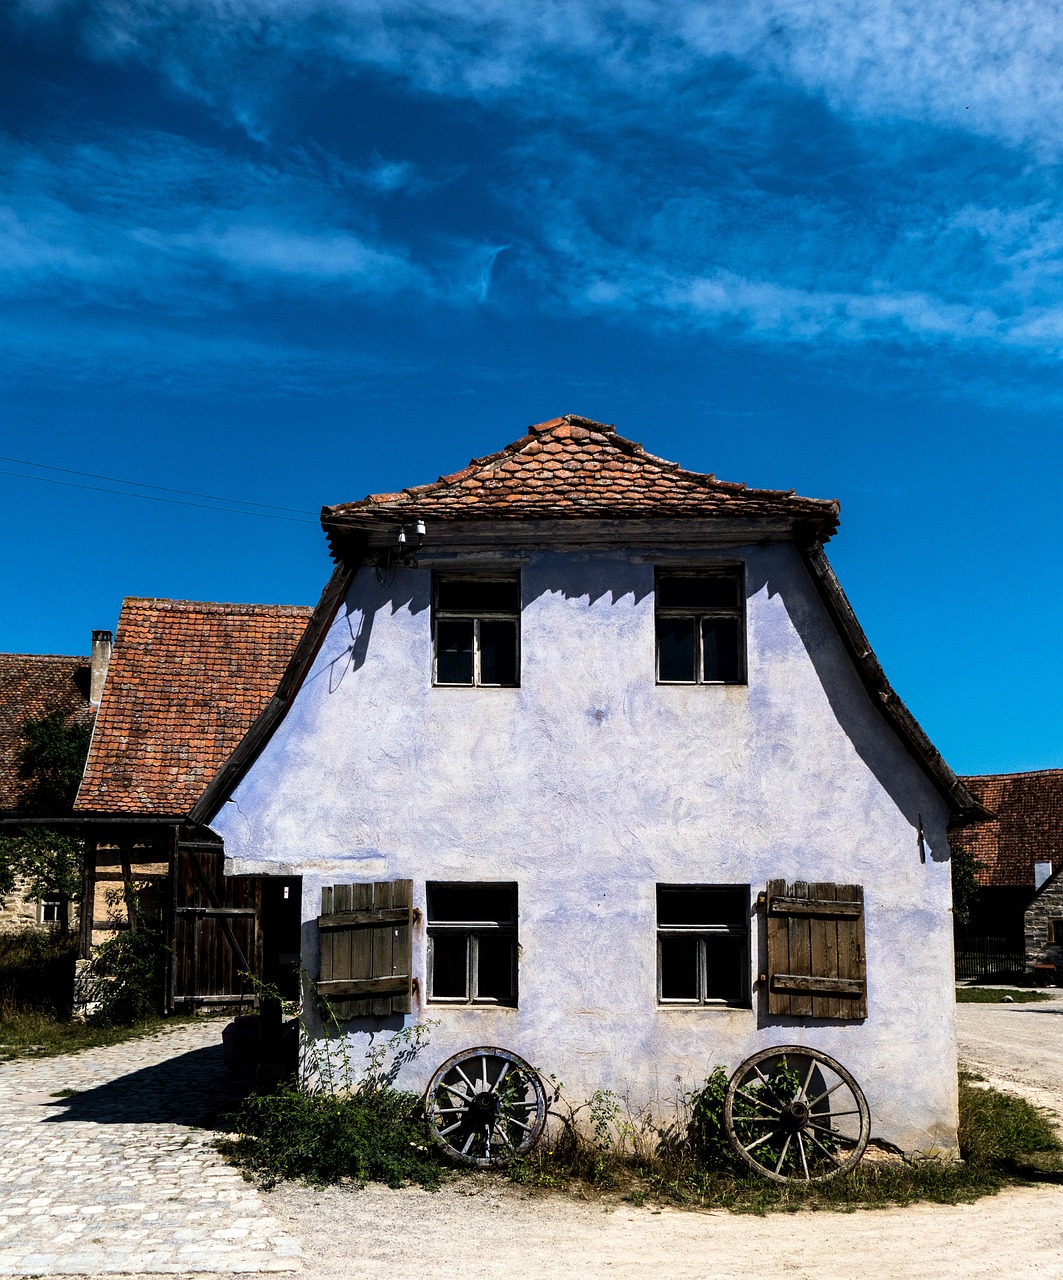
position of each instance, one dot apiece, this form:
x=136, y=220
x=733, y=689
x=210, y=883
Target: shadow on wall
x=875, y=740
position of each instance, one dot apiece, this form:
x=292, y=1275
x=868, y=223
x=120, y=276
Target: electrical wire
x=150, y=497
x=140, y=484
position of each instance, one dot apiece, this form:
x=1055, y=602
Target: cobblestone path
x=118, y=1178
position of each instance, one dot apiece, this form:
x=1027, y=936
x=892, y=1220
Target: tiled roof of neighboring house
x=1025, y=826
x=185, y=682
x=33, y=685
x=571, y=467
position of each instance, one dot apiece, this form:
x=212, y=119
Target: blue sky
x=296, y=251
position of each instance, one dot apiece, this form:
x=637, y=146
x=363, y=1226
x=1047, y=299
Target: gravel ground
x=481, y=1227
x=484, y=1229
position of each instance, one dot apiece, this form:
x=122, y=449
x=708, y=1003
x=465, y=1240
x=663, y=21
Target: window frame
x=471, y=930
x=511, y=576
x=701, y=933
x=725, y=569
x=48, y=902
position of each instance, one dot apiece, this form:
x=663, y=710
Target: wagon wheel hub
x=485, y=1106
x=796, y=1113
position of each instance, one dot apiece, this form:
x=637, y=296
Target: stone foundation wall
x=1041, y=944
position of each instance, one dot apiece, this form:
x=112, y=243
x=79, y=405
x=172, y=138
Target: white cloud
x=983, y=67
x=154, y=218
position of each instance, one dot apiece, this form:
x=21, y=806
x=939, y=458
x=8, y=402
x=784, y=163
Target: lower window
x=703, y=944
x=472, y=943
x=50, y=910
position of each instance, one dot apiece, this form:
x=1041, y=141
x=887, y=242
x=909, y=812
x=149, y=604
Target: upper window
x=477, y=630
x=472, y=943
x=700, y=632
x=703, y=944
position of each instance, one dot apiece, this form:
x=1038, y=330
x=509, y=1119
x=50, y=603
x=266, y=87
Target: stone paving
x=118, y=1178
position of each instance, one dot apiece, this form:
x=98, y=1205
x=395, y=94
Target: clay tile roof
x=571, y=468
x=1025, y=826
x=185, y=682
x=31, y=686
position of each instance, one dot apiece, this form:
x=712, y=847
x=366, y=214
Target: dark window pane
x=676, y=649
x=702, y=905
x=450, y=965
x=679, y=968
x=495, y=966
x=472, y=903
x=719, y=639
x=453, y=651
x=701, y=591
x=498, y=652
x=478, y=595
x=725, y=965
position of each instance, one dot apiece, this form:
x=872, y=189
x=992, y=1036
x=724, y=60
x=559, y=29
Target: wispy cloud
x=157, y=219
x=793, y=171
x=983, y=66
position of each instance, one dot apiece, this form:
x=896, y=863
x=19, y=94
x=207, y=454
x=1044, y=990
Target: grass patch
x=994, y=995
x=33, y=1033
x=1003, y=1140
x=370, y=1131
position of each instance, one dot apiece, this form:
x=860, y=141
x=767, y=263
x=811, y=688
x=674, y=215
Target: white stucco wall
x=590, y=784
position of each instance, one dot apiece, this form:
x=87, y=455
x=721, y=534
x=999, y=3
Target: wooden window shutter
x=816, y=950
x=365, y=932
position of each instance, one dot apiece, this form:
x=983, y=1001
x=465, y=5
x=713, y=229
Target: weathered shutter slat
x=366, y=948
x=815, y=936
x=823, y=951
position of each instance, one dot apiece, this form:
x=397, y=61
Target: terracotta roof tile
x=574, y=468
x=1026, y=825
x=33, y=685
x=185, y=682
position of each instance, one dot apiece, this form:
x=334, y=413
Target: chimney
x=101, y=657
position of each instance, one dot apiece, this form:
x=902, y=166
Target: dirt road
x=497, y=1231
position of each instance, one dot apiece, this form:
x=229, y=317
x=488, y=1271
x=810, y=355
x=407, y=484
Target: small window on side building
x=1055, y=933
x=701, y=626
x=703, y=944
x=50, y=909
x=477, y=631
x=472, y=943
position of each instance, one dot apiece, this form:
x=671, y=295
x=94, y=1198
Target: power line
x=149, y=497
x=140, y=484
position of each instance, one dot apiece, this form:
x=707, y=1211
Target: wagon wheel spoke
x=826, y=1150
x=752, y=1097
x=826, y=1093
x=804, y=1160
x=799, y=1081
x=766, y=1138
x=485, y=1106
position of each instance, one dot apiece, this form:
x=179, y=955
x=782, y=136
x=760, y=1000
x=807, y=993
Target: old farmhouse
x=585, y=756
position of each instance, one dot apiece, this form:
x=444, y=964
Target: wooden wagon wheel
x=794, y=1114
x=485, y=1106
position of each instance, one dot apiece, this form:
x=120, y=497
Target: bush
x=37, y=971
x=376, y=1136
x=127, y=978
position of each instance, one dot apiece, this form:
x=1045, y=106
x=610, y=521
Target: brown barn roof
x=571, y=468
x=185, y=682
x=1025, y=825
x=33, y=685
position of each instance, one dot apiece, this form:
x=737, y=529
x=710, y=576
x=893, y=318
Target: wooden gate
x=215, y=938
